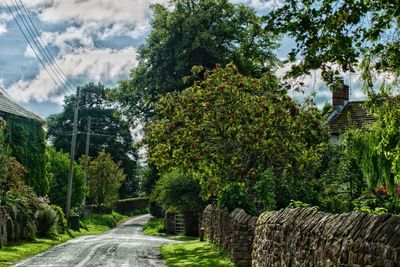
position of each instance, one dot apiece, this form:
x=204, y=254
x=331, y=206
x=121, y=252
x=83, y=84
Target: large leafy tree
x=57, y=171
x=231, y=128
x=341, y=33
x=104, y=179
x=109, y=130
x=193, y=32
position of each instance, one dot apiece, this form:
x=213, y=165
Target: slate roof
x=8, y=106
x=353, y=113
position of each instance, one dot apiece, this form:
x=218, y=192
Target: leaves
x=194, y=33
x=342, y=33
x=104, y=179
x=231, y=127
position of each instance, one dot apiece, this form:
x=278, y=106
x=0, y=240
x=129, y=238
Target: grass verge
x=91, y=225
x=195, y=253
x=155, y=227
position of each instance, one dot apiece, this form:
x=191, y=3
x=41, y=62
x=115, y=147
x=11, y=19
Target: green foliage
x=231, y=128
x=104, y=179
x=19, y=199
x=265, y=190
x=148, y=177
x=376, y=203
x=177, y=191
x=109, y=220
x=46, y=221
x=62, y=223
x=196, y=254
x=109, y=129
x=155, y=209
x=340, y=179
x=376, y=149
x=26, y=139
x=154, y=226
x=234, y=195
x=340, y=33
x=129, y=205
x=298, y=204
x=193, y=33
x=57, y=171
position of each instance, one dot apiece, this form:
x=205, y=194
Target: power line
x=30, y=45
x=40, y=49
x=46, y=50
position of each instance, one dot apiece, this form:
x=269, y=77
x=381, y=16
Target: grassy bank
x=155, y=227
x=195, y=253
x=94, y=224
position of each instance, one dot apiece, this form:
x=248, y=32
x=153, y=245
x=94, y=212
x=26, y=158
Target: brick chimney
x=340, y=97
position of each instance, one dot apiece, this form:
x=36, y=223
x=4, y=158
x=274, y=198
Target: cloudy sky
x=89, y=40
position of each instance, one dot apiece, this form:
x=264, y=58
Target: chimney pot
x=340, y=96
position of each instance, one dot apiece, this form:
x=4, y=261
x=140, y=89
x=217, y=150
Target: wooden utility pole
x=72, y=155
x=87, y=156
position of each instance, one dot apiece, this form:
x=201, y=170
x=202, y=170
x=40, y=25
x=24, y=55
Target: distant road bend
x=124, y=245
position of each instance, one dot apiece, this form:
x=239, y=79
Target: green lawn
x=94, y=224
x=195, y=253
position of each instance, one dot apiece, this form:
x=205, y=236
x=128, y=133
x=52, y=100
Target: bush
x=62, y=223
x=148, y=177
x=178, y=191
x=109, y=220
x=58, y=169
x=265, y=191
x=233, y=196
x=155, y=209
x=46, y=221
x=125, y=206
x=21, y=204
x=154, y=227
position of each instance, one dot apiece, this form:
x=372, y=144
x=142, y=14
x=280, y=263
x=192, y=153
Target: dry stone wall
x=306, y=237
x=234, y=232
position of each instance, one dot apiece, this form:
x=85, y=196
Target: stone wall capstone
x=233, y=232
x=307, y=237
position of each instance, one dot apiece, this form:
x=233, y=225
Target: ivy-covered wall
x=26, y=138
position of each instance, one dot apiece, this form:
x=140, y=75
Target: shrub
x=265, y=191
x=22, y=215
x=178, y=191
x=155, y=209
x=234, y=195
x=46, y=221
x=57, y=170
x=62, y=223
x=148, y=177
x=130, y=204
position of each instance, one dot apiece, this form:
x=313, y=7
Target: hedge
x=131, y=204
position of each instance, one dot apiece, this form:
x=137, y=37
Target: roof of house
x=8, y=106
x=353, y=113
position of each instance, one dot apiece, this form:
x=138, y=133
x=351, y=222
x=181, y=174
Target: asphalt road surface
x=125, y=245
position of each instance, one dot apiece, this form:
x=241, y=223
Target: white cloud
x=3, y=28
x=99, y=65
x=260, y=5
x=71, y=38
x=4, y=18
x=29, y=52
x=100, y=11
